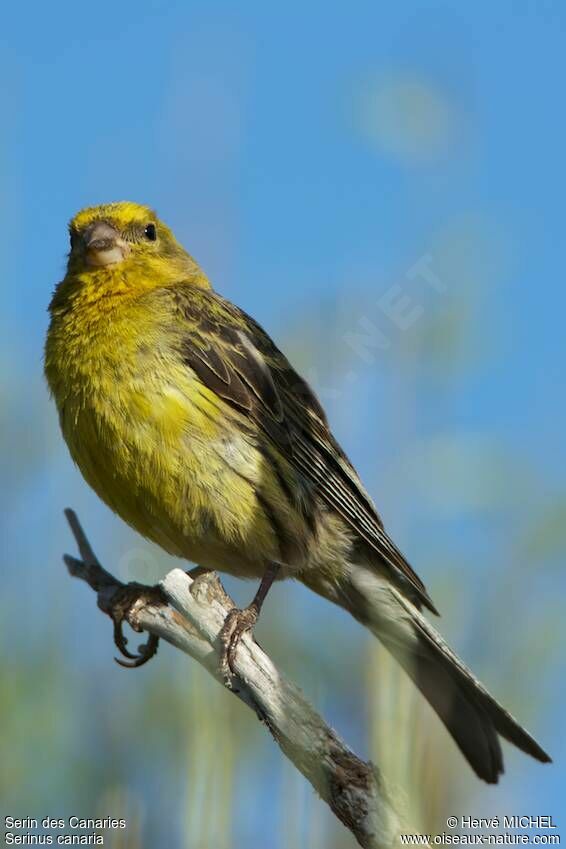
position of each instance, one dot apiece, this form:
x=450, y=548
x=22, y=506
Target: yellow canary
x=186, y=419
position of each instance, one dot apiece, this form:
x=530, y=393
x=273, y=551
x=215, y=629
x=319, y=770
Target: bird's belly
x=182, y=477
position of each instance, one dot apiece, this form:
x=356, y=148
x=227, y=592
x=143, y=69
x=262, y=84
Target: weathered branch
x=189, y=614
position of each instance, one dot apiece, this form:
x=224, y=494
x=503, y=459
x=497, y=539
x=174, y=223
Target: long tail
x=471, y=715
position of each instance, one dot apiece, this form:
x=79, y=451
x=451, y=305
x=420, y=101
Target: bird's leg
x=239, y=622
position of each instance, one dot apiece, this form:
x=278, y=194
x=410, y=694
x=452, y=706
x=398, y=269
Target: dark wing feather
x=215, y=374
x=237, y=360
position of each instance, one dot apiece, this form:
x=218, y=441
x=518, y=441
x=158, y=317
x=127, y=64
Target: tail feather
x=471, y=715
x=466, y=682
x=464, y=716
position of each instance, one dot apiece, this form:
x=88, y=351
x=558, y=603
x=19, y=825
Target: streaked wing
x=237, y=360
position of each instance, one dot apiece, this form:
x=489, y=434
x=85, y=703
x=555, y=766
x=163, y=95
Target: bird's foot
x=237, y=623
x=122, y=605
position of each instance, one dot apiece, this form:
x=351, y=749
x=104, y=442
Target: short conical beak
x=103, y=245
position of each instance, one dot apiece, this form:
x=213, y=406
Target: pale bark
x=189, y=613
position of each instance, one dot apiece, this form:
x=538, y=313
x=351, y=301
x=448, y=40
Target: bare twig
x=189, y=612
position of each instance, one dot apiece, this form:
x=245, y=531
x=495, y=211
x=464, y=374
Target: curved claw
x=120, y=640
x=122, y=605
x=146, y=652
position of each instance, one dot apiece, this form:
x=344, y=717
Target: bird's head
x=127, y=244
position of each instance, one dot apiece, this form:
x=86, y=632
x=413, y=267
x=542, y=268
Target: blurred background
x=381, y=185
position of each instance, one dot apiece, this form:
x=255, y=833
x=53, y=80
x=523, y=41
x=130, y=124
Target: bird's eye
x=150, y=232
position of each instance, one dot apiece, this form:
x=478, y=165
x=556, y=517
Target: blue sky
x=240, y=127
x=308, y=155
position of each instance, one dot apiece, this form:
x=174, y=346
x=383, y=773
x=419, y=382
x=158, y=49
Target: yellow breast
x=156, y=445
